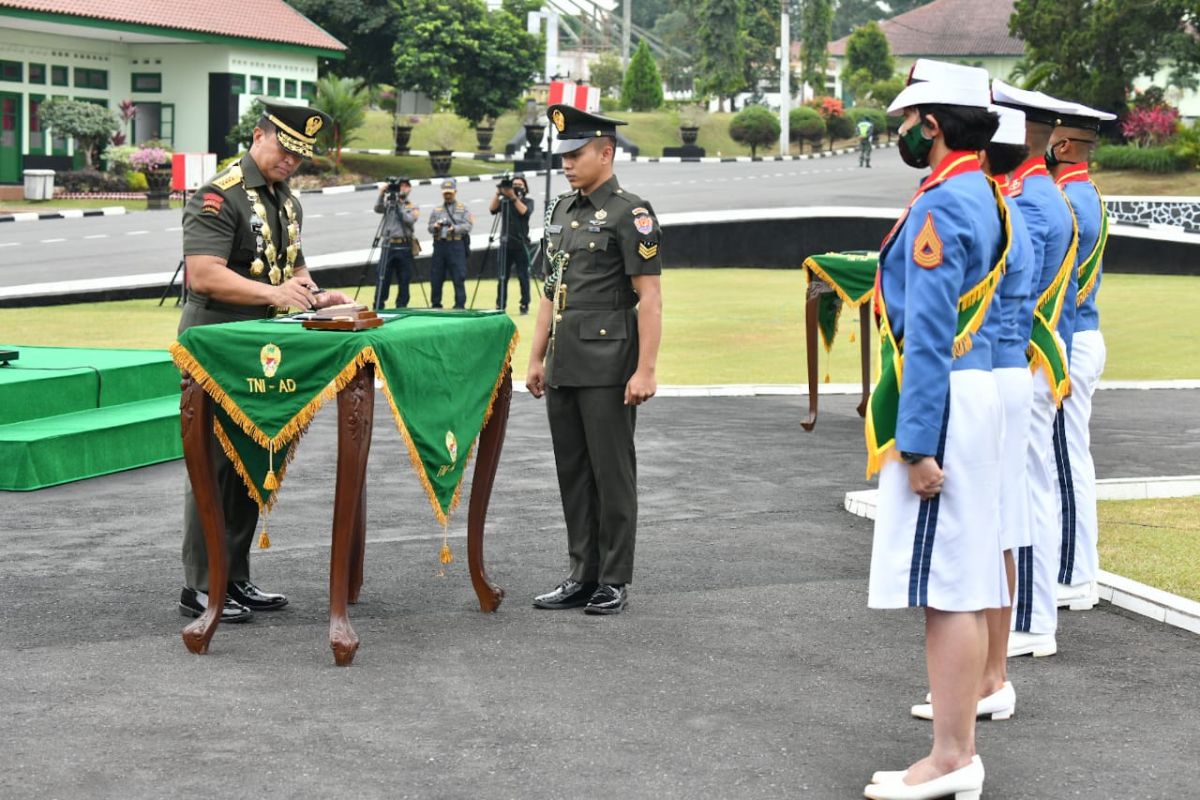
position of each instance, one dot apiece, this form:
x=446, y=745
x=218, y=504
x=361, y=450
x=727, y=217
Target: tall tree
x=868, y=58
x=643, y=13
x=1111, y=42
x=760, y=40
x=642, y=89
x=429, y=48
x=367, y=27
x=345, y=101
x=721, y=52
x=606, y=72
x=677, y=30
x=498, y=62
x=816, y=28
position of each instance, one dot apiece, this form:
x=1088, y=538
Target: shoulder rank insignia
x=647, y=250
x=230, y=179
x=927, y=249
x=212, y=203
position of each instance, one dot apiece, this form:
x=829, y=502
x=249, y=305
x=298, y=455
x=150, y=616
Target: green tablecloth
x=851, y=275
x=440, y=372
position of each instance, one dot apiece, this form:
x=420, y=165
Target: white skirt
x=1016, y=393
x=945, y=553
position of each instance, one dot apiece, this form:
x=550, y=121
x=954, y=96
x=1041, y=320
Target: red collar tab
x=1034, y=165
x=956, y=162
x=1002, y=181
x=1075, y=173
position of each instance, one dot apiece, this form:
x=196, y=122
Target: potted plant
x=403, y=132
x=690, y=119
x=155, y=164
x=483, y=135
x=444, y=132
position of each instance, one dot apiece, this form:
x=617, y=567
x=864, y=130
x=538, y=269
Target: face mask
x=914, y=147
x=1052, y=160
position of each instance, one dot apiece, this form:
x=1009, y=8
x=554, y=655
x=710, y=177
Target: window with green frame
x=146, y=82
x=256, y=84
x=91, y=78
x=13, y=71
x=237, y=84
x=59, y=76
x=37, y=73
x=289, y=88
x=308, y=90
x=273, y=87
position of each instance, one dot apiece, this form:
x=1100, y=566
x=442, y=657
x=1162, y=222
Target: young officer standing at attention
x=1071, y=146
x=595, y=346
x=1010, y=368
x=934, y=420
x=1052, y=233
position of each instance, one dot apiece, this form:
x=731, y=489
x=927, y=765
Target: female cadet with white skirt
x=937, y=531
x=1010, y=368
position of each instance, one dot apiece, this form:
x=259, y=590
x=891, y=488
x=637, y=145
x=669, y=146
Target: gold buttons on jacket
x=591, y=245
x=558, y=317
x=603, y=332
x=574, y=223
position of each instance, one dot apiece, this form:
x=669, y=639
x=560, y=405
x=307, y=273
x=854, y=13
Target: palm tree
x=345, y=101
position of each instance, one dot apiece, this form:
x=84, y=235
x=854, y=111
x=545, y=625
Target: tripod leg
x=171, y=285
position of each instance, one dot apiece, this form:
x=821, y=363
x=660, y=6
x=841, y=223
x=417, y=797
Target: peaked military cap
x=450, y=185
x=1038, y=106
x=940, y=82
x=575, y=127
x=296, y=126
x=1084, y=117
x=1012, y=125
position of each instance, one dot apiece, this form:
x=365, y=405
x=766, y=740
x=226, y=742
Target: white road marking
x=136, y=233
x=9, y=244
x=172, y=230
x=314, y=216
x=342, y=214
x=52, y=241
x=97, y=236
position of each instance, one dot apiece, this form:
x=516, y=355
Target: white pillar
x=785, y=90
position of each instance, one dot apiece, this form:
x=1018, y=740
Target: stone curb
x=1138, y=598
x=68, y=213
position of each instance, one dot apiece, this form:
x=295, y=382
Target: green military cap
x=575, y=127
x=297, y=126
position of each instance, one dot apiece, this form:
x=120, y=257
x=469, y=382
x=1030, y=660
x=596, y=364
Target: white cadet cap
x=1012, y=125
x=1085, y=117
x=1038, y=106
x=943, y=83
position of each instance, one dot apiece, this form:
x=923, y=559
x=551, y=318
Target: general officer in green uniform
x=595, y=347
x=241, y=242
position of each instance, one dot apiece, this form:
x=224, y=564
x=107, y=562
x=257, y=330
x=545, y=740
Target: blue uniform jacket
x=1048, y=220
x=1085, y=201
x=922, y=302
x=1016, y=312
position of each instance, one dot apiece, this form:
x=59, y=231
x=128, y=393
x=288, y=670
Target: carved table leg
x=196, y=426
x=864, y=336
x=356, y=405
x=358, y=547
x=810, y=336
x=491, y=441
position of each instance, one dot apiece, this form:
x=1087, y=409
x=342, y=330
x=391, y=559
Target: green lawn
x=378, y=167
x=42, y=206
x=1124, y=182
x=1156, y=542
x=720, y=326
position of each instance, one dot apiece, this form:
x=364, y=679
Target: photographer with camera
x=515, y=210
x=399, y=241
x=450, y=223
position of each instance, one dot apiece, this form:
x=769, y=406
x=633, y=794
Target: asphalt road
x=149, y=242
x=748, y=665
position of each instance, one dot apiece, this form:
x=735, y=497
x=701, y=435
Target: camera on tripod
x=393, y=184
x=506, y=181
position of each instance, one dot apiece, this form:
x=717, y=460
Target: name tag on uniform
x=554, y=228
x=593, y=228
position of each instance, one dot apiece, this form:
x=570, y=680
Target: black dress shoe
x=568, y=594
x=193, y=603
x=608, y=599
x=254, y=598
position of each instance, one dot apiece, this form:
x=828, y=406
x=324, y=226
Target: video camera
x=393, y=183
x=506, y=181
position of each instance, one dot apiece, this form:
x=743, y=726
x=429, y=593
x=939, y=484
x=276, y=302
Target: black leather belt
x=405, y=240
x=243, y=312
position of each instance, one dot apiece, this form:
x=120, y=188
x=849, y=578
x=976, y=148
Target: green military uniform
x=260, y=244
x=595, y=243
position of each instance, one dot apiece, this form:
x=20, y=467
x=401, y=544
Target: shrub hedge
x=1145, y=159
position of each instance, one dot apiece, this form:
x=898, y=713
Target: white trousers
x=1079, y=560
x=1016, y=393
x=1036, y=606
x=945, y=553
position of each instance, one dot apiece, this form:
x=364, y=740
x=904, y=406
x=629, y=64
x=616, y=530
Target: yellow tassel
x=271, y=483
x=853, y=337
x=264, y=541
x=827, y=377
x=445, y=556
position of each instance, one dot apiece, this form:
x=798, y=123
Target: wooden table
x=816, y=288
x=356, y=404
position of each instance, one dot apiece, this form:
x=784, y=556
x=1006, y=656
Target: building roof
x=258, y=20
x=949, y=28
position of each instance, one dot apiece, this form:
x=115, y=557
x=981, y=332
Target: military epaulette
x=438, y=208
x=460, y=207
x=230, y=179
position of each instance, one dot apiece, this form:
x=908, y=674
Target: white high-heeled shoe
x=962, y=784
x=1000, y=704
x=885, y=775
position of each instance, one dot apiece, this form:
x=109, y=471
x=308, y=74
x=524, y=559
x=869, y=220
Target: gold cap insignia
x=313, y=125
x=270, y=356
x=560, y=122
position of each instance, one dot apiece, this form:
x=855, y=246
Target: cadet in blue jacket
x=1071, y=146
x=937, y=533
x=1051, y=229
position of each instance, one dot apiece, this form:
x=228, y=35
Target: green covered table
x=253, y=387
x=836, y=280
